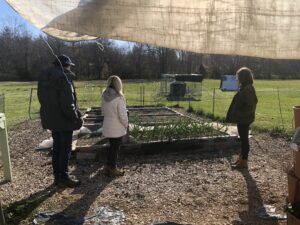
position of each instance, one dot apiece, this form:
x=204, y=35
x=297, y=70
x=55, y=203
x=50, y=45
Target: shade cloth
x=260, y=28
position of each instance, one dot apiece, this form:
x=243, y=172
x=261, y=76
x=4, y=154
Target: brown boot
x=116, y=172
x=238, y=159
x=106, y=170
x=113, y=172
x=242, y=164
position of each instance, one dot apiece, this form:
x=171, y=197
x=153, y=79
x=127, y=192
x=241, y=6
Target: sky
x=8, y=17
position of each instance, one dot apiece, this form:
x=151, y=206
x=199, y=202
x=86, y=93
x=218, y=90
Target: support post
x=143, y=95
x=29, y=107
x=5, y=149
x=213, y=106
x=2, y=219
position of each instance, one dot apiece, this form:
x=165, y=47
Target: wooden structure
x=2, y=220
x=294, y=173
x=4, y=149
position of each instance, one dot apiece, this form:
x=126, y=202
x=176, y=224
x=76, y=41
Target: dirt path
x=195, y=188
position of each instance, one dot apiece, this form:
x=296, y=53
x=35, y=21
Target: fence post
x=2, y=219
x=213, y=108
x=189, y=96
x=5, y=149
x=280, y=108
x=30, y=100
x=200, y=91
x=3, y=95
x=143, y=95
x=2, y=103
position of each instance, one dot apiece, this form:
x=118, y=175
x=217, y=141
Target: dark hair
x=244, y=76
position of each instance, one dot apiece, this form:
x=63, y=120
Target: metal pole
x=143, y=95
x=213, y=109
x=3, y=103
x=189, y=96
x=280, y=108
x=101, y=92
x=5, y=149
x=200, y=91
x=141, y=100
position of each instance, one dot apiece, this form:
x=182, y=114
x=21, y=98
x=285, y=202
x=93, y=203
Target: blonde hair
x=116, y=83
x=244, y=76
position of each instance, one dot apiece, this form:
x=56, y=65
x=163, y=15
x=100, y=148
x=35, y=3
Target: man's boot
x=67, y=181
x=56, y=179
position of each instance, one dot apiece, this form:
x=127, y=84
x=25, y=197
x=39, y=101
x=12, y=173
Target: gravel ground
x=191, y=188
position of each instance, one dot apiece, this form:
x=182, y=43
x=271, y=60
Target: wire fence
x=274, y=109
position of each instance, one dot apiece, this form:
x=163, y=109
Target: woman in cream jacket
x=115, y=123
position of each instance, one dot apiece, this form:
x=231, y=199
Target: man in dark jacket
x=59, y=113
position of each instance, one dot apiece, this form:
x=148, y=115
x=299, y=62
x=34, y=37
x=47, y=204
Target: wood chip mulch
x=191, y=188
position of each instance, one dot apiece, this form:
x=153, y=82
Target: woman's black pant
x=243, y=130
x=113, y=151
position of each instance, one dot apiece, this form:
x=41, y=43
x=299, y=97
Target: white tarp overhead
x=261, y=28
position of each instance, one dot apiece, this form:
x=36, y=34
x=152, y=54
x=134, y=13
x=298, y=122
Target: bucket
x=296, y=116
x=293, y=188
x=296, y=162
x=292, y=220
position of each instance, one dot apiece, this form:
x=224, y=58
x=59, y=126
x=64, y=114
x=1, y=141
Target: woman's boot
x=112, y=172
x=115, y=172
x=242, y=164
x=238, y=159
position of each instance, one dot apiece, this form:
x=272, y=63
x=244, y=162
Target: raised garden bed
x=154, y=130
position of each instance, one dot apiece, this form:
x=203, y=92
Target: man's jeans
x=62, y=147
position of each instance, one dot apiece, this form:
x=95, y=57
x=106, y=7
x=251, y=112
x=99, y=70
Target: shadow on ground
x=25, y=208
x=93, y=186
x=255, y=201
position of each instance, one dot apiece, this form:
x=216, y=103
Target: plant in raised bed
x=176, y=129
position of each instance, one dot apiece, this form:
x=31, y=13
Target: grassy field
x=274, y=110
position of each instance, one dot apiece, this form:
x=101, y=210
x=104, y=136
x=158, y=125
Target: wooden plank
x=158, y=115
x=206, y=144
x=90, y=152
x=4, y=148
x=2, y=219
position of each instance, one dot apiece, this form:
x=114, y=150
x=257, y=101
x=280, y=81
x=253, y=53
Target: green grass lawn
x=269, y=116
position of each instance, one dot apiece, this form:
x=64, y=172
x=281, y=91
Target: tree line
x=23, y=57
